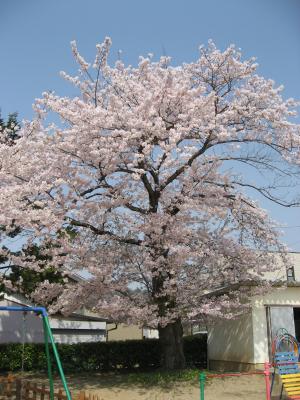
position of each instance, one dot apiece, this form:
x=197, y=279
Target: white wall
x=11, y=326
x=295, y=258
x=280, y=273
x=80, y=337
x=245, y=340
x=149, y=333
x=232, y=340
x=287, y=297
x=63, y=323
x=65, y=330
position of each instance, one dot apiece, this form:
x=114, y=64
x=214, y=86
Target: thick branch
x=136, y=209
x=180, y=170
x=103, y=232
x=153, y=195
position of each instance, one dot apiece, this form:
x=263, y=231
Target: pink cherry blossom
x=148, y=166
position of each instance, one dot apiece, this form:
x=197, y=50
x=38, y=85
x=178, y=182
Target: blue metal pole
x=41, y=310
x=47, y=330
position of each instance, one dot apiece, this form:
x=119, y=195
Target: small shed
x=245, y=343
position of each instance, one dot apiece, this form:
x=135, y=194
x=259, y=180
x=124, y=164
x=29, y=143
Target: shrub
x=101, y=356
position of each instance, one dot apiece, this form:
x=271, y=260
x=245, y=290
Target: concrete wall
x=149, y=333
x=12, y=328
x=287, y=297
x=77, y=331
x=231, y=343
x=281, y=273
x=79, y=337
x=243, y=343
x=65, y=330
x=124, y=332
x=295, y=259
x=71, y=323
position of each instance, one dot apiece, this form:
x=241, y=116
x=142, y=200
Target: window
x=290, y=274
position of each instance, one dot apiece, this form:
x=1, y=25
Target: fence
x=6, y=387
x=265, y=372
x=12, y=388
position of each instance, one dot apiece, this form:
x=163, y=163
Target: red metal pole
x=267, y=380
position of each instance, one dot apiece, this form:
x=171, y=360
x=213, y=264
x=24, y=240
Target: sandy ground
x=111, y=387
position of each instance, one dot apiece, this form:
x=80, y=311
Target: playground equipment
x=47, y=337
x=285, y=351
x=203, y=377
x=285, y=360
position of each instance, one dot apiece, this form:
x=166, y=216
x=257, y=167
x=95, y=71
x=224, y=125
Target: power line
x=286, y=227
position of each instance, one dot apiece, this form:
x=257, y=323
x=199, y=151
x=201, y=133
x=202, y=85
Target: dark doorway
x=297, y=323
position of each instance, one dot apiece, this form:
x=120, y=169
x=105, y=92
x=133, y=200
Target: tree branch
x=267, y=195
x=180, y=170
x=103, y=232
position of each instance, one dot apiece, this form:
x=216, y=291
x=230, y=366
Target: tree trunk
x=170, y=338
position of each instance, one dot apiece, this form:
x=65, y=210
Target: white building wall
x=77, y=331
x=232, y=340
x=79, y=337
x=14, y=330
x=12, y=327
x=149, y=333
x=245, y=340
x=288, y=297
x=295, y=259
x=63, y=323
x=280, y=274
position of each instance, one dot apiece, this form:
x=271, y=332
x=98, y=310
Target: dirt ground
x=113, y=387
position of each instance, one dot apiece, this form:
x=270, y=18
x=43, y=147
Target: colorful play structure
x=48, y=337
x=285, y=351
x=285, y=363
x=266, y=372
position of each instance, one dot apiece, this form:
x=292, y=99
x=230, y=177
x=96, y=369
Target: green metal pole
x=59, y=366
x=202, y=384
x=46, y=339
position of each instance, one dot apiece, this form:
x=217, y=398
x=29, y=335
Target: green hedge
x=100, y=356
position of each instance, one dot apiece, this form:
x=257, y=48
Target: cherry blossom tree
x=152, y=167
x=22, y=280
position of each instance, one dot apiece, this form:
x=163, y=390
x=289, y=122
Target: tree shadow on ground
x=116, y=384
x=112, y=386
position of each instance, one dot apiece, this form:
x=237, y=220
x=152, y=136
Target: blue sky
x=35, y=40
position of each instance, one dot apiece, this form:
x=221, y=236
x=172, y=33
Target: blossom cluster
x=145, y=168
